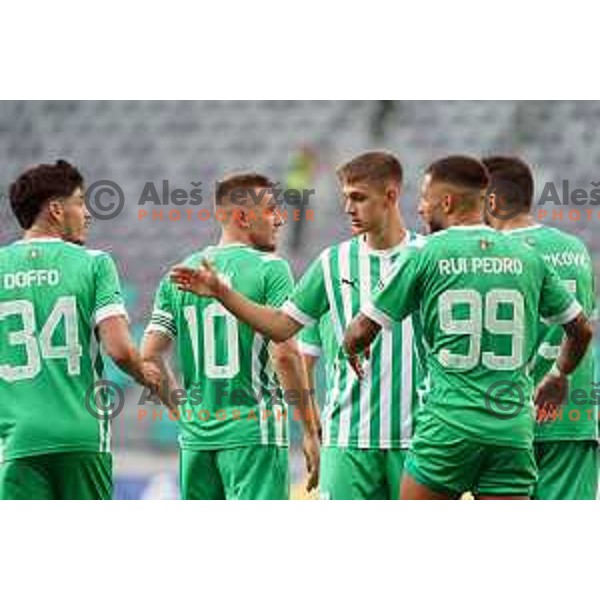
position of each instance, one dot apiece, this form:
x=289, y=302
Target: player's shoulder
x=93, y=254
x=336, y=249
x=563, y=237
x=416, y=240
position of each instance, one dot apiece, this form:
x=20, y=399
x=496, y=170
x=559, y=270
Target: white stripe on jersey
x=278, y=415
x=110, y=310
x=160, y=328
x=291, y=310
x=407, y=382
x=566, y=316
x=346, y=397
x=337, y=328
x=309, y=349
x=364, y=423
x=328, y=409
x=257, y=344
x=385, y=389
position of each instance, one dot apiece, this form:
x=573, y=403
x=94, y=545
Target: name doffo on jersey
x=34, y=277
x=480, y=265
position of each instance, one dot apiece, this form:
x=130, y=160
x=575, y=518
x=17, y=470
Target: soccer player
x=233, y=422
x=566, y=448
x=480, y=294
x=367, y=426
x=56, y=298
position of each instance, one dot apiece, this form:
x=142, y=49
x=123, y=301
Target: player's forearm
x=575, y=344
x=310, y=363
x=168, y=382
x=155, y=349
x=291, y=375
x=130, y=361
x=360, y=333
x=271, y=322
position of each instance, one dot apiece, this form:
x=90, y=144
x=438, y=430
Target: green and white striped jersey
x=377, y=412
x=52, y=296
x=568, y=256
x=233, y=397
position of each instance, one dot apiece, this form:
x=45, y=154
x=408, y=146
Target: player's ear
x=448, y=203
x=56, y=210
x=392, y=194
x=492, y=203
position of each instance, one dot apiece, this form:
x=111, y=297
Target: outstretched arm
x=205, y=281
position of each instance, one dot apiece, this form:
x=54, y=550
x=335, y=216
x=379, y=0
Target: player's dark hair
x=40, y=184
x=371, y=167
x=240, y=181
x=510, y=179
x=462, y=171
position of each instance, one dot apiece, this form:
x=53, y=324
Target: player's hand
x=312, y=457
x=549, y=395
x=356, y=362
x=546, y=412
x=152, y=375
x=204, y=281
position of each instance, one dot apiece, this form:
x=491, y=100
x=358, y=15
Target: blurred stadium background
x=297, y=143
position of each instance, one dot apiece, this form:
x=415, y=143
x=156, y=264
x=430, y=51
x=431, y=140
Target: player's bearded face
x=366, y=206
x=264, y=224
x=430, y=207
x=75, y=218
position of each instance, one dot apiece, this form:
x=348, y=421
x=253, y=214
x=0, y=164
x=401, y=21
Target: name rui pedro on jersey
x=31, y=278
x=480, y=265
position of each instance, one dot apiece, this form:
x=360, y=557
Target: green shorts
x=444, y=460
x=355, y=474
x=61, y=476
x=567, y=470
x=244, y=473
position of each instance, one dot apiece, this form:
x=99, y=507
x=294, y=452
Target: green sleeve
x=557, y=304
x=309, y=300
x=279, y=282
x=108, y=301
x=163, y=313
x=398, y=295
x=309, y=340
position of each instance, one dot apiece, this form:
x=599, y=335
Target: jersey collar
x=408, y=236
x=518, y=229
x=471, y=227
x=38, y=239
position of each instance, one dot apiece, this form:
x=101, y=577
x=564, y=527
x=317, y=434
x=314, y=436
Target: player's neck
x=460, y=220
x=392, y=234
x=37, y=231
x=233, y=237
x=519, y=222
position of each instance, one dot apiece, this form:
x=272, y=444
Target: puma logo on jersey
x=349, y=282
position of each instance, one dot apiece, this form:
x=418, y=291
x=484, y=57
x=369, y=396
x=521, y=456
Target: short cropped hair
x=40, y=184
x=512, y=180
x=371, y=167
x=461, y=171
x=240, y=181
